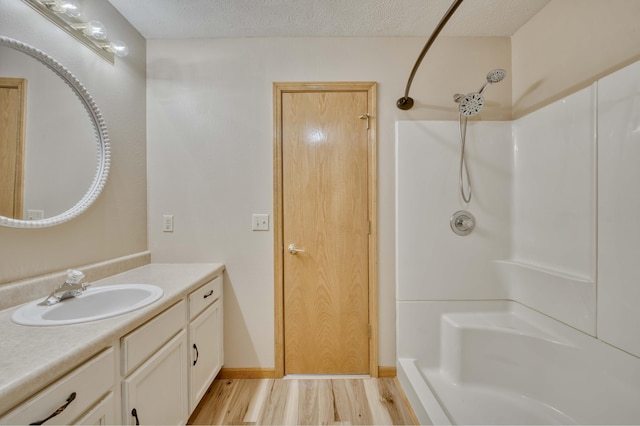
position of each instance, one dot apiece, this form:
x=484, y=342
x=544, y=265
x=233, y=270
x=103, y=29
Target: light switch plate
x=35, y=214
x=260, y=222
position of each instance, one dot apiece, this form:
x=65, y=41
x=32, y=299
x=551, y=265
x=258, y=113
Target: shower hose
x=464, y=169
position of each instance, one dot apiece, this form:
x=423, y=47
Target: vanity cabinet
x=154, y=368
x=83, y=396
x=205, y=339
x=155, y=374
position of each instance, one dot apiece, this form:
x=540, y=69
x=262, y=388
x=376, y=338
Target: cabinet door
x=103, y=413
x=206, y=351
x=157, y=390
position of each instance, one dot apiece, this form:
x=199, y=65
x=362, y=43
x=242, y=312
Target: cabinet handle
x=58, y=411
x=134, y=413
x=197, y=355
x=208, y=294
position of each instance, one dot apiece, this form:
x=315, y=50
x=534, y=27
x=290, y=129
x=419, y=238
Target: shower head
x=494, y=76
x=472, y=103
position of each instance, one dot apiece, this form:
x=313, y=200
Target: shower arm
x=406, y=102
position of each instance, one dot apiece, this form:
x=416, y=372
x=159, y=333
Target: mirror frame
x=102, y=140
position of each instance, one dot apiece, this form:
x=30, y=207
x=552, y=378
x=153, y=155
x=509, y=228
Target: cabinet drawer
x=89, y=383
x=138, y=345
x=204, y=296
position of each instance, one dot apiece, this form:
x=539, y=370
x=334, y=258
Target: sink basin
x=93, y=304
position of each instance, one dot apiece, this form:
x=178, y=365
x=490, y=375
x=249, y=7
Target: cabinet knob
x=197, y=355
x=134, y=413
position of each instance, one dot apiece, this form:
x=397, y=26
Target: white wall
x=553, y=249
x=569, y=45
x=619, y=208
x=434, y=263
x=554, y=186
x=575, y=245
x=116, y=225
x=210, y=136
x=575, y=173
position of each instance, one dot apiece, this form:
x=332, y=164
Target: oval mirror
x=54, y=148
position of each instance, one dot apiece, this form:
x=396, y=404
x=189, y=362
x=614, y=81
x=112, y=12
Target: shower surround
x=531, y=318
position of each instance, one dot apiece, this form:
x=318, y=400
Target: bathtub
x=499, y=362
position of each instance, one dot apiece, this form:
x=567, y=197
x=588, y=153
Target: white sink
x=93, y=304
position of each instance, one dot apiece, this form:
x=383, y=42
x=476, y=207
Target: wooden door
x=326, y=214
x=12, y=124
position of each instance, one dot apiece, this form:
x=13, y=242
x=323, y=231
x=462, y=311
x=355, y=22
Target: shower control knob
x=462, y=222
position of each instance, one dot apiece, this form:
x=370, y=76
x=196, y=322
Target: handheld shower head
x=494, y=76
x=472, y=103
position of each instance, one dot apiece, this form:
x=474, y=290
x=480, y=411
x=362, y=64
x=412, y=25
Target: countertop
x=33, y=357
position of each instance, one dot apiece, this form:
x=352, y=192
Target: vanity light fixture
x=93, y=34
x=68, y=7
x=94, y=29
x=118, y=48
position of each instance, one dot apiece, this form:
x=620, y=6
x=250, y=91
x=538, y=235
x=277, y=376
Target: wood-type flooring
x=360, y=401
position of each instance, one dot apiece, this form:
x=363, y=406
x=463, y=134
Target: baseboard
x=270, y=373
x=247, y=373
x=406, y=402
x=387, y=372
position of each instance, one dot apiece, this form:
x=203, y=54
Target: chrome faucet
x=72, y=287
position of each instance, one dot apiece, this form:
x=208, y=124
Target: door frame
x=372, y=165
x=20, y=85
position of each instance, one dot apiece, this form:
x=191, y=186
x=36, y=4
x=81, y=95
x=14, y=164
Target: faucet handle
x=74, y=276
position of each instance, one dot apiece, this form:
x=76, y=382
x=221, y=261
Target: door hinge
x=369, y=331
x=369, y=228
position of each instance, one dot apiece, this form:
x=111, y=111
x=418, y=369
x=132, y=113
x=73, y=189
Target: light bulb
x=96, y=30
x=70, y=8
x=119, y=48
x=67, y=7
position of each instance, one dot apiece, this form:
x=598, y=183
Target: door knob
x=293, y=250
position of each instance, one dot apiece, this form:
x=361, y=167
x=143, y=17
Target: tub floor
x=474, y=404
x=473, y=362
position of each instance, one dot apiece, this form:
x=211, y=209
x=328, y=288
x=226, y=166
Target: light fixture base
x=405, y=103
x=68, y=28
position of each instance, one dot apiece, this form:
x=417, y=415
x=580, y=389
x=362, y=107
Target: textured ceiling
x=323, y=18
